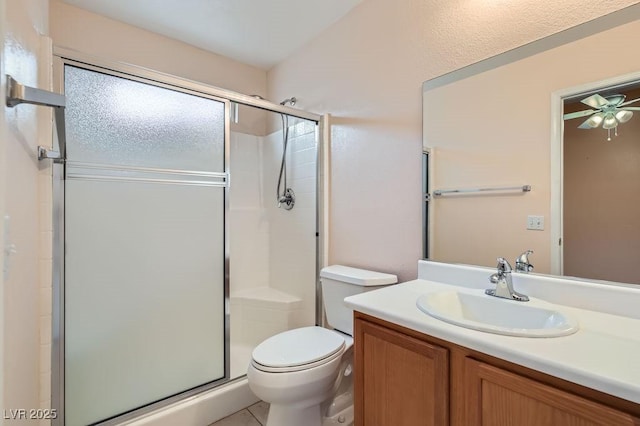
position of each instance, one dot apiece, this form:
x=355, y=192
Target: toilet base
x=287, y=415
x=343, y=418
x=308, y=416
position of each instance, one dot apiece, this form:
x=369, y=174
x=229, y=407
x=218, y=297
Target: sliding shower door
x=144, y=266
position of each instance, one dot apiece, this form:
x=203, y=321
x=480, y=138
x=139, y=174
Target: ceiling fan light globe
x=594, y=121
x=609, y=122
x=623, y=116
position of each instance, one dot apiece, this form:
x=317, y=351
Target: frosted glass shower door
x=144, y=283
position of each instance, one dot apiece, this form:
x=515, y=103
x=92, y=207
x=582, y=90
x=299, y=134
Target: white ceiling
x=261, y=33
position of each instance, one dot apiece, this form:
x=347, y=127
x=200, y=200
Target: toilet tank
x=339, y=282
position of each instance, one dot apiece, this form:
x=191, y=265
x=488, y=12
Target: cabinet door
x=498, y=397
x=399, y=380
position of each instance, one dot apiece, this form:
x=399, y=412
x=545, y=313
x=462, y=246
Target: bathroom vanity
x=414, y=369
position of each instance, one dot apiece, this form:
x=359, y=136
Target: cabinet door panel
x=498, y=397
x=400, y=380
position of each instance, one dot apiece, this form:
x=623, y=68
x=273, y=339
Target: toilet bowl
x=296, y=387
x=305, y=373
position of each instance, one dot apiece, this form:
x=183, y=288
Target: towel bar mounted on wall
x=522, y=188
x=20, y=94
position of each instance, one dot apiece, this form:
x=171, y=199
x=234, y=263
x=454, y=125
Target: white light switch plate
x=535, y=222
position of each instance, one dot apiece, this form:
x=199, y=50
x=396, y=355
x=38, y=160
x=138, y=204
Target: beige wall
x=27, y=58
x=494, y=129
x=601, y=205
x=3, y=139
x=78, y=29
x=367, y=71
x=95, y=35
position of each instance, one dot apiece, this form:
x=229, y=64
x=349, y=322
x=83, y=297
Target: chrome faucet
x=504, y=285
x=522, y=262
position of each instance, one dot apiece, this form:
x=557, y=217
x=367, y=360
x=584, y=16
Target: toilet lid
x=297, y=347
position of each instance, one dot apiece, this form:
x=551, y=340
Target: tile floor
x=256, y=415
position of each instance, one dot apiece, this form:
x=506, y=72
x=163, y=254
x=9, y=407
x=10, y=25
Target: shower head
x=292, y=101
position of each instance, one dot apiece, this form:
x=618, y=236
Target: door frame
x=557, y=158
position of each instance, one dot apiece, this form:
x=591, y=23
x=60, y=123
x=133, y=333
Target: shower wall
x=26, y=286
x=248, y=221
x=272, y=250
x=292, y=248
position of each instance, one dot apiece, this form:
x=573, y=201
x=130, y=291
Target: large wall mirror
x=500, y=124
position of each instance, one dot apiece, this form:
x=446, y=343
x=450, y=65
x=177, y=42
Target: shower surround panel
x=272, y=251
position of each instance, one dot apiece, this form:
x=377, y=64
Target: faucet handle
x=522, y=262
x=503, y=266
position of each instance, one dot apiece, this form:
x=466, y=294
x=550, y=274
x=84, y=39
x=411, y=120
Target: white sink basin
x=479, y=311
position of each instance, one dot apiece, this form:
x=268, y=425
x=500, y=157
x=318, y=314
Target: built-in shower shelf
x=260, y=312
x=267, y=297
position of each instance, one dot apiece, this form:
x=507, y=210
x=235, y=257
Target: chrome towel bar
x=522, y=188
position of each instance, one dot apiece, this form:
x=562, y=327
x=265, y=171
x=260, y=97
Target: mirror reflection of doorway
x=601, y=186
x=425, y=203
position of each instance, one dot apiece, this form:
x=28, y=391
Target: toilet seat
x=298, y=349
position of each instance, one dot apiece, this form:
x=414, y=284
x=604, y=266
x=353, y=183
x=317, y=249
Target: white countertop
x=604, y=354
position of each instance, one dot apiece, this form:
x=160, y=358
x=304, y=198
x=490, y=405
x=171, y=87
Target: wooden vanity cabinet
x=399, y=380
x=406, y=378
x=498, y=397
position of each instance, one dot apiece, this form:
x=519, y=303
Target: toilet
x=306, y=373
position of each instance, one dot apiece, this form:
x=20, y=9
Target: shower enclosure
x=172, y=258
x=272, y=244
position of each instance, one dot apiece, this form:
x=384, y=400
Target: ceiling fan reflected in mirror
x=607, y=111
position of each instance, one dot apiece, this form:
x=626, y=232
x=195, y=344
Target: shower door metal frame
x=64, y=57
x=179, y=83
x=58, y=342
